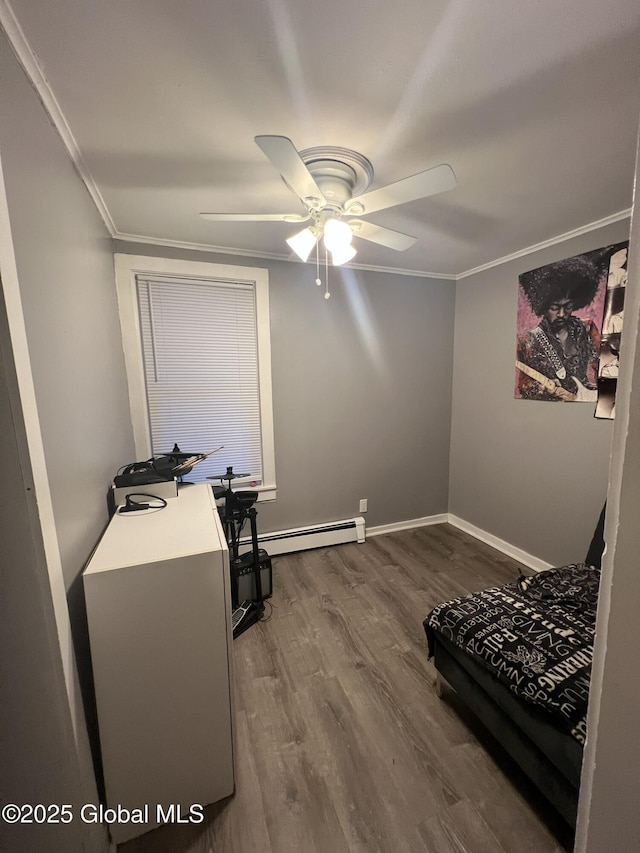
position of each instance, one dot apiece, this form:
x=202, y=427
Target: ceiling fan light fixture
x=333, y=182
x=337, y=235
x=302, y=243
x=342, y=254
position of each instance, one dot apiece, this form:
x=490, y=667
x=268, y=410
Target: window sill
x=266, y=493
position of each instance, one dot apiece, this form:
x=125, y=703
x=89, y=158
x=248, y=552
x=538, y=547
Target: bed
x=519, y=656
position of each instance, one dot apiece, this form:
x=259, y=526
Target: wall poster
x=612, y=332
x=559, y=326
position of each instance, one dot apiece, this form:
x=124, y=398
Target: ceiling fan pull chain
x=326, y=274
x=318, y=282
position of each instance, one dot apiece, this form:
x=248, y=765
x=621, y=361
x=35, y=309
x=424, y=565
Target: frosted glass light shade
x=302, y=243
x=342, y=254
x=337, y=235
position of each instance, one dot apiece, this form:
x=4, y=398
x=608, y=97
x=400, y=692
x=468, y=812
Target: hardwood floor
x=342, y=745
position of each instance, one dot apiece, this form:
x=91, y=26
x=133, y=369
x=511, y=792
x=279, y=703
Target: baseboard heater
x=313, y=536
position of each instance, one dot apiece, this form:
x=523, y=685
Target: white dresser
x=159, y=614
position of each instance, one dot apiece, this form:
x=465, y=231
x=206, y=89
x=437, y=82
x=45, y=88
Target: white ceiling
x=534, y=104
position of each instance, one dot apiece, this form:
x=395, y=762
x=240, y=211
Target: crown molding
x=443, y=276
x=197, y=247
x=270, y=256
x=553, y=241
x=35, y=74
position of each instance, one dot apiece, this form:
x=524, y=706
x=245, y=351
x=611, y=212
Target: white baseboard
x=518, y=554
x=407, y=525
x=499, y=544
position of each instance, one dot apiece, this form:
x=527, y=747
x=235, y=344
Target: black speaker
x=242, y=569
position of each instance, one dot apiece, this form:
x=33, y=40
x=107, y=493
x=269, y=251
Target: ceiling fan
x=332, y=185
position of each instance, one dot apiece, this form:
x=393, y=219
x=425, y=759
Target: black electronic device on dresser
x=251, y=574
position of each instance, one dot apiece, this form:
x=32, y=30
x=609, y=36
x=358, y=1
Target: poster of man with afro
x=560, y=314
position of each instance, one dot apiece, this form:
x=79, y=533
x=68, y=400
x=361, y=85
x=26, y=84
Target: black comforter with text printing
x=535, y=635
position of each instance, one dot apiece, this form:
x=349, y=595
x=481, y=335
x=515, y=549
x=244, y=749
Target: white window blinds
x=200, y=353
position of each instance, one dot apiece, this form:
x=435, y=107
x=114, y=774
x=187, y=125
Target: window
x=197, y=352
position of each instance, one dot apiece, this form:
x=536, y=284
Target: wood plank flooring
x=342, y=745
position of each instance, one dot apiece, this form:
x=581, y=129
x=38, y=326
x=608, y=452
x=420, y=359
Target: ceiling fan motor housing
x=341, y=174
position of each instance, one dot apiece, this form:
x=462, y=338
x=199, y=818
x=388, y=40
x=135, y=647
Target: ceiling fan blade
x=436, y=180
x=383, y=236
x=284, y=156
x=255, y=217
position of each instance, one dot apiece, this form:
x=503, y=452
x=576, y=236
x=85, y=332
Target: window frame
x=127, y=267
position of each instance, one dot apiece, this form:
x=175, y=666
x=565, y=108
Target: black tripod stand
x=238, y=507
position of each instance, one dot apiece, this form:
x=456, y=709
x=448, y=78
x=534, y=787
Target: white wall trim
x=34, y=72
x=126, y=269
x=272, y=256
x=442, y=518
x=441, y=276
x=198, y=247
x=500, y=545
x=602, y=809
x=518, y=554
x=545, y=244
x=553, y=241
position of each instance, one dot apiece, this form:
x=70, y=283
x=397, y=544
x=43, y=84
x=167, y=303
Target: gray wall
x=39, y=759
x=65, y=271
x=531, y=473
x=65, y=268
x=361, y=392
